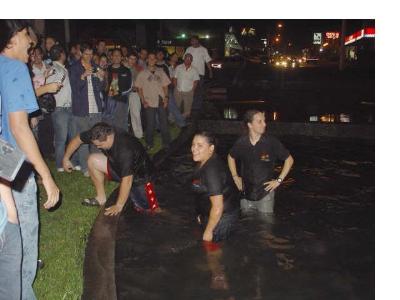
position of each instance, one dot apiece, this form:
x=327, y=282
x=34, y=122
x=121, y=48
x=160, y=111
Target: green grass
x=64, y=232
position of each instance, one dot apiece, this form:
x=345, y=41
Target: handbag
x=47, y=103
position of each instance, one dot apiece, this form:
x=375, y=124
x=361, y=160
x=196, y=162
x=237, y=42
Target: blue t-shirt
x=16, y=92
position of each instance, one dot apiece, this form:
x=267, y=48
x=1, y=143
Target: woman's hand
x=207, y=236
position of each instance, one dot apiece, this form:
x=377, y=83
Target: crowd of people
x=94, y=92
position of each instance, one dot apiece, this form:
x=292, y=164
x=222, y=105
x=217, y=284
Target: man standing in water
x=258, y=153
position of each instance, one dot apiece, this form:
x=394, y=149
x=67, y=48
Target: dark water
x=320, y=245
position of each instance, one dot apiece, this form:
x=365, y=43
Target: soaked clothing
x=258, y=163
x=126, y=157
x=213, y=179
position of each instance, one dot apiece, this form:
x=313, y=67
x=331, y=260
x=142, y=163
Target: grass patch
x=64, y=232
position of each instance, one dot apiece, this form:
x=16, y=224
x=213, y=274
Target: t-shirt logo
x=196, y=183
x=264, y=156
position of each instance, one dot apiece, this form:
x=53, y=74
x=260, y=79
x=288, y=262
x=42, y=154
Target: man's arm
x=195, y=83
x=22, y=133
x=232, y=167
x=217, y=207
x=73, y=145
x=124, y=190
x=273, y=184
x=165, y=99
x=141, y=95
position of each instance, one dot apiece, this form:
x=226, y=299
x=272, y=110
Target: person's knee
x=98, y=162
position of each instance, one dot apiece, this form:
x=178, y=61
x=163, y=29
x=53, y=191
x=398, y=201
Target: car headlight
x=216, y=65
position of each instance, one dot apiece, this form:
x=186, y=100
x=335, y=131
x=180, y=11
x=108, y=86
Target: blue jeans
x=81, y=124
x=62, y=122
x=26, y=203
x=224, y=227
x=150, y=113
x=174, y=110
x=10, y=262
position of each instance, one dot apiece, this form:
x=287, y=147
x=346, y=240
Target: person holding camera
x=87, y=81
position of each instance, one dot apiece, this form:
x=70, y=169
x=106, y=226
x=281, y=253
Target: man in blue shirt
x=18, y=100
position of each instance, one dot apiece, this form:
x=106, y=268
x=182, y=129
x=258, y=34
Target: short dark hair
x=195, y=37
x=210, y=137
x=99, y=41
x=9, y=28
x=56, y=51
x=100, y=131
x=249, y=115
x=116, y=49
x=38, y=48
x=86, y=46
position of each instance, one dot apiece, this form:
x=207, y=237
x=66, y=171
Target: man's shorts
x=142, y=195
x=265, y=205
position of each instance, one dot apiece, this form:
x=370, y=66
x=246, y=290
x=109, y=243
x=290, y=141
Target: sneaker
x=77, y=168
x=40, y=264
x=60, y=170
x=86, y=174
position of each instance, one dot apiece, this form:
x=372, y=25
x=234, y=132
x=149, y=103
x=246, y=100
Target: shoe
x=40, y=264
x=90, y=202
x=86, y=174
x=77, y=168
x=60, y=170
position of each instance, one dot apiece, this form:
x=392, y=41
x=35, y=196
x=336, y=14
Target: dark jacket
x=80, y=102
x=124, y=81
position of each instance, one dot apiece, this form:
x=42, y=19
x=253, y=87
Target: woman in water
x=217, y=196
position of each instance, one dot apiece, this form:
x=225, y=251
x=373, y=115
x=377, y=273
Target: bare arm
x=217, y=207
x=52, y=88
x=140, y=91
x=20, y=129
x=7, y=198
x=232, y=167
x=124, y=190
x=273, y=184
x=165, y=99
x=195, y=83
x=73, y=145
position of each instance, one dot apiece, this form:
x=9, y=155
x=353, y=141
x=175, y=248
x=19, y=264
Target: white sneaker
x=77, y=168
x=60, y=170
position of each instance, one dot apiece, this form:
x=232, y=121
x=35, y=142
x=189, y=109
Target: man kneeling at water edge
x=123, y=159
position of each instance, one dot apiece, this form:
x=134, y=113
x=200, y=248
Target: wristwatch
x=279, y=180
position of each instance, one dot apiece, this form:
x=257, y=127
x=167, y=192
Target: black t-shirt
x=213, y=179
x=258, y=162
x=127, y=156
x=119, y=82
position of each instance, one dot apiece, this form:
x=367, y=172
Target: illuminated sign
x=332, y=35
x=317, y=38
x=363, y=33
x=248, y=31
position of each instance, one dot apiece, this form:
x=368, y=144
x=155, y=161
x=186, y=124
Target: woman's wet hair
x=100, y=131
x=249, y=115
x=210, y=138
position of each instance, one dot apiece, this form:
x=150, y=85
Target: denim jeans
x=10, y=262
x=224, y=226
x=151, y=113
x=81, y=124
x=264, y=205
x=116, y=112
x=174, y=110
x=62, y=122
x=26, y=203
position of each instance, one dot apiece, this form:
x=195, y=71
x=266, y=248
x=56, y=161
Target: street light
x=277, y=39
x=280, y=25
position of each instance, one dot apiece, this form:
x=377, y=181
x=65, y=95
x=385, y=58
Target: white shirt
x=63, y=96
x=200, y=57
x=91, y=98
x=185, y=77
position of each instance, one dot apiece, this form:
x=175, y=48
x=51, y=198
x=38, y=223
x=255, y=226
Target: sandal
x=90, y=202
